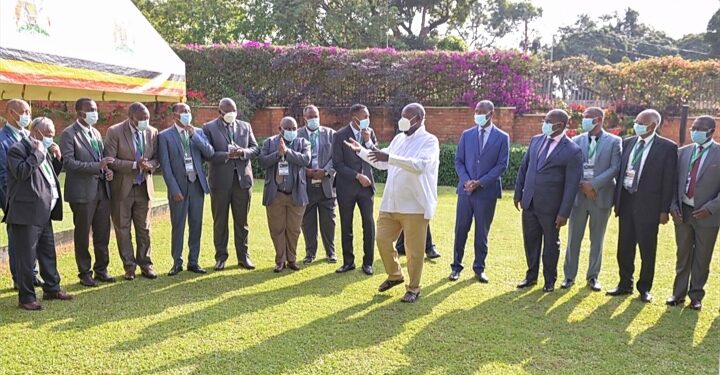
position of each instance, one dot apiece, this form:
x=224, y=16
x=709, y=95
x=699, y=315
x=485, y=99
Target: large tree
x=491, y=20
x=712, y=37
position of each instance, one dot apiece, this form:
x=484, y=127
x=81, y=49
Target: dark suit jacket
x=7, y=139
x=82, y=165
x=29, y=194
x=657, y=184
x=325, y=145
x=172, y=160
x=298, y=157
x=221, y=169
x=348, y=164
x=487, y=167
x=551, y=187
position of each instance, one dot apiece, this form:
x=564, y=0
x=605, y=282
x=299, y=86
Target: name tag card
x=588, y=171
x=283, y=168
x=189, y=164
x=629, y=178
x=315, y=181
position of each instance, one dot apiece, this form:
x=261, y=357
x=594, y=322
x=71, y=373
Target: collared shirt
x=18, y=134
x=592, y=138
x=288, y=182
x=358, y=137
x=47, y=172
x=556, y=141
x=484, y=137
x=709, y=144
x=316, y=135
x=412, y=167
x=646, y=151
x=87, y=133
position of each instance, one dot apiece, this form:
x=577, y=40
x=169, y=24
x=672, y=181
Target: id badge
x=283, y=168
x=588, y=171
x=189, y=164
x=315, y=181
x=629, y=178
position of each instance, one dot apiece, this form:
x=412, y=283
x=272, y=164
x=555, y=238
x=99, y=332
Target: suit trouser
x=135, y=210
x=346, y=203
x=284, y=220
x=324, y=208
x=483, y=211
x=632, y=233
x=695, y=246
x=222, y=200
x=35, y=242
x=539, y=231
x=400, y=243
x=389, y=226
x=11, y=255
x=189, y=210
x=576, y=231
x=95, y=216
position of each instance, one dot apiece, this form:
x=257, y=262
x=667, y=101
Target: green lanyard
x=48, y=171
x=638, y=155
x=231, y=133
x=94, y=142
x=185, y=142
x=697, y=156
x=591, y=149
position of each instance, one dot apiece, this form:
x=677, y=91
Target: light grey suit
x=696, y=238
x=607, y=163
x=321, y=196
x=190, y=209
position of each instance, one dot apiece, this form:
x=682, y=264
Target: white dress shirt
x=646, y=151
x=556, y=141
x=488, y=129
x=358, y=137
x=411, y=186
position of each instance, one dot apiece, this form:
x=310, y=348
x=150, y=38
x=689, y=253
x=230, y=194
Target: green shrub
x=446, y=174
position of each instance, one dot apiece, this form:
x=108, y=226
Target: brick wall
x=447, y=123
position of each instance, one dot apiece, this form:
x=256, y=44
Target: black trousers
x=542, y=241
x=35, y=242
x=400, y=244
x=363, y=198
x=635, y=231
x=95, y=216
x=324, y=208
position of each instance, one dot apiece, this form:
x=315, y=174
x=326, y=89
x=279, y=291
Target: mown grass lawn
x=315, y=321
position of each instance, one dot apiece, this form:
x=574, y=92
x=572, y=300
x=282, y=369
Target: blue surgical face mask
x=289, y=135
x=640, y=129
x=364, y=124
x=480, y=120
x=313, y=123
x=142, y=125
x=24, y=121
x=47, y=142
x=91, y=118
x=185, y=118
x=547, y=128
x=698, y=136
x=588, y=124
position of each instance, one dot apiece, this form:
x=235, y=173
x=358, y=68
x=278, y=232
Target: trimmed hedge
x=446, y=174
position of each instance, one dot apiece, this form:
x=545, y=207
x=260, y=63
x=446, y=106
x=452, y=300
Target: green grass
x=315, y=321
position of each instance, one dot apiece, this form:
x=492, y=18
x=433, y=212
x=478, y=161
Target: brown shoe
x=149, y=273
x=32, y=306
x=59, y=295
x=86, y=280
x=129, y=275
x=293, y=266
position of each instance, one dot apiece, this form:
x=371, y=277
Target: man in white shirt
x=410, y=196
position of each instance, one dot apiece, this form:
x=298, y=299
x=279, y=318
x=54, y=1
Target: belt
x=284, y=192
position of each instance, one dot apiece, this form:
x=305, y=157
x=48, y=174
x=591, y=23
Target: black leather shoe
x=432, y=253
x=672, y=301
x=389, y=284
x=646, y=297
x=696, y=305
x=332, y=259
x=220, y=265
x=38, y=282
x=104, y=277
x=594, y=285
x=526, y=284
x=196, y=269
x=549, y=288
x=567, y=283
x=308, y=260
x=279, y=268
x=410, y=297
x=368, y=270
x=86, y=280
x=293, y=266
x=345, y=268
x=618, y=292
x=454, y=276
x=175, y=270
x=246, y=263
x=482, y=277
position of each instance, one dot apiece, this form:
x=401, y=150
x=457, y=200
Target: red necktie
x=693, y=175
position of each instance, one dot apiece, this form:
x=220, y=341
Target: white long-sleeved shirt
x=411, y=186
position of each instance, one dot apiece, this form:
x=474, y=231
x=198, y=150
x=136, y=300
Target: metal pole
x=683, y=123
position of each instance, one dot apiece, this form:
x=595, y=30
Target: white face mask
x=91, y=118
x=405, y=124
x=230, y=117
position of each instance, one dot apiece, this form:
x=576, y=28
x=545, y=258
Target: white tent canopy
x=66, y=49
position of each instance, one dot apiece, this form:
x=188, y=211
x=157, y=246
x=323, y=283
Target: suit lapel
x=711, y=155
x=583, y=143
x=178, y=141
x=127, y=131
x=83, y=139
x=563, y=141
x=626, y=155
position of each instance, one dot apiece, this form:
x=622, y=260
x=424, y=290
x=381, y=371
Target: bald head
x=650, y=119
x=594, y=112
x=414, y=110
x=227, y=105
x=16, y=108
x=288, y=123
x=484, y=106
x=138, y=112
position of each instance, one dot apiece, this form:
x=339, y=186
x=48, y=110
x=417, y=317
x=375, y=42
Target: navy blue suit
x=485, y=166
x=7, y=139
x=545, y=191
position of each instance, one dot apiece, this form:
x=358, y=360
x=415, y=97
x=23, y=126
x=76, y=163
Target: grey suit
x=606, y=164
x=230, y=183
x=88, y=193
x=192, y=186
x=696, y=238
x=321, y=196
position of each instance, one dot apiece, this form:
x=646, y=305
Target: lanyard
x=696, y=156
x=591, y=149
x=185, y=142
x=638, y=155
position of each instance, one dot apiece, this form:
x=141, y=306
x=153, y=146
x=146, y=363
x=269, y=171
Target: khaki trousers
x=284, y=221
x=389, y=226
